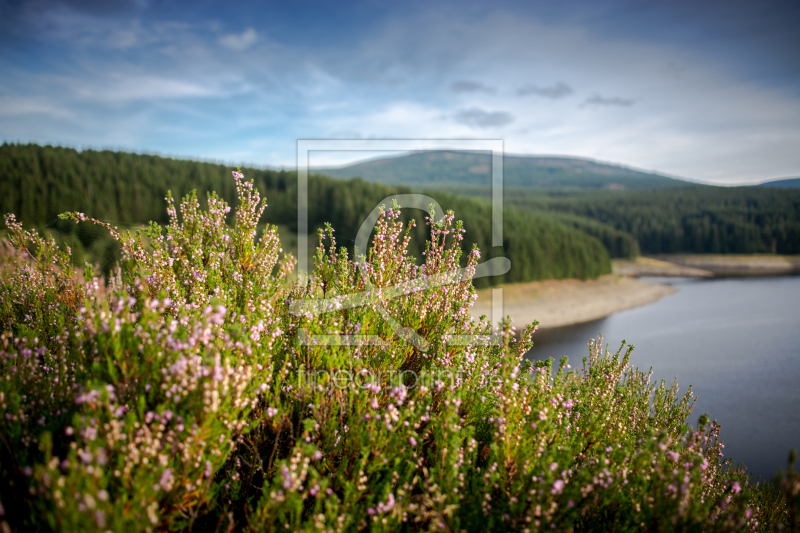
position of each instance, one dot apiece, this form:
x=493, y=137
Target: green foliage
x=618, y=243
x=539, y=246
x=127, y=190
x=697, y=219
x=201, y=391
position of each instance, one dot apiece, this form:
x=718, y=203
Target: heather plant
x=199, y=389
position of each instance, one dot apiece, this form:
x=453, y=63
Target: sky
x=708, y=91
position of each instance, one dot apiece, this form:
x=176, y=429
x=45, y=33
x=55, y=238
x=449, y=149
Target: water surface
x=735, y=341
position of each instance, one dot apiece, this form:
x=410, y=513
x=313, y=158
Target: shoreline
x=557, y=303
x=651, y=267
x=737, y=265
x=708, y=265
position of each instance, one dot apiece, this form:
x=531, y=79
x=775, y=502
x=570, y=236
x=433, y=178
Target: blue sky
x=704, y=90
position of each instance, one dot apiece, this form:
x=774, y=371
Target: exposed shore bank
x=650, y=267
x=709, y=265
x=556, y=303
x=738, y=265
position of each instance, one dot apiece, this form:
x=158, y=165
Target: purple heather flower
x=166, y=480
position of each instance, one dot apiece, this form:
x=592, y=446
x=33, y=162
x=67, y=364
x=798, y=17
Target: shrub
x=200, y=390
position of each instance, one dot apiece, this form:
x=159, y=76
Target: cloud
x=124, y=87
x=94, y=7
x=123, y=39
x=559, y=90
x=608, y=101
x=478, y=118
x=240, y=41
x=148, y=80
x=13, y=106
x=345, y=134
x=465, y=86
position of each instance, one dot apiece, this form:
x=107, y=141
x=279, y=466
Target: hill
x=785, y=183
x=449, y=169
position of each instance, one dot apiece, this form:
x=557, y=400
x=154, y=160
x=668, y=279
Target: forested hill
x=39, y=182
x=786, y=183
x=450, y=169
x=702, y=219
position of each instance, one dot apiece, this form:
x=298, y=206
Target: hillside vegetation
x=717, y=220
x=127, y=190
x=201, y=391
x=628, y=210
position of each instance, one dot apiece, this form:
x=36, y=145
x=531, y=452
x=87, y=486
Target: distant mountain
x=785, y=183
x=450, y=169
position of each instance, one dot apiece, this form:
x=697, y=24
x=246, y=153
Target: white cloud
x=124, y=39
x=122, y=88
x=239, y=41
x=19, y=106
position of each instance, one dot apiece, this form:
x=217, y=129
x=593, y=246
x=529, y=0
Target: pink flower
x=558, y=487
x=673, y=455
x=412, y=440
x=166, y=480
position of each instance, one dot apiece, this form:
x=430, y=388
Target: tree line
x=692, y=219
x=128, y=190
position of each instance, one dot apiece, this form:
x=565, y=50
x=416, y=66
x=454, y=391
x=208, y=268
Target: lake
x=735, y=341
